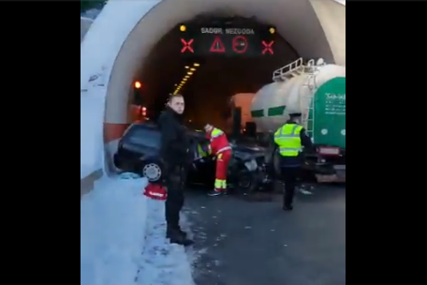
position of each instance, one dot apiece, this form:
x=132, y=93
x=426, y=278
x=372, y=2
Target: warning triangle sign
x=217, y=46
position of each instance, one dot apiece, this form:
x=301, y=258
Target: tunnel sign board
x=187, y=46
x=268, y=47
x=240, y=44
x=205, y=40
x=217, y=46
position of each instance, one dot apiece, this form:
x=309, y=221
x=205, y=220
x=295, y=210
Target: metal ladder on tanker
x=289, y=71
x=292, y=70
x=307, y=99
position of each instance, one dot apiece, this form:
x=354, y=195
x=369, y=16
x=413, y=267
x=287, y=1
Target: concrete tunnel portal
x=146, y=49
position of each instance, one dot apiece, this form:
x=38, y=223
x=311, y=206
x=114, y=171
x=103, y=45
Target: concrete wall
x=85, y=24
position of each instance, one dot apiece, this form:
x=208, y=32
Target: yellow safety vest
x=216, y=133
x=288, y=139
x=203, y=153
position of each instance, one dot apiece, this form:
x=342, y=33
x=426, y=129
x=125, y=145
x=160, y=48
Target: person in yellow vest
x=203, y=150
x=290, y=138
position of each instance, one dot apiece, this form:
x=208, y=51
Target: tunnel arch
x=124, y=33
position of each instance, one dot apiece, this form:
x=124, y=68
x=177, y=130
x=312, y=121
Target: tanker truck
x=317, y=90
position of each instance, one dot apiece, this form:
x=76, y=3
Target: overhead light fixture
x=190, y=73
x=185, y=79
x=186, y=67
x=176, y=84
x=192, y=69
x=196, y=64
x=187, y=76
x=182, y=28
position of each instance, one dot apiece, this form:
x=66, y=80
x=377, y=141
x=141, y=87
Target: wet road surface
x=254, y=243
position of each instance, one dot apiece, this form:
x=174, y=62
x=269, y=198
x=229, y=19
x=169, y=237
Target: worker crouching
x=221, y=149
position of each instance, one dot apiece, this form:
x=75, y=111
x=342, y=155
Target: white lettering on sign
x=229, y=31
x=216, y=31
x=233, y=31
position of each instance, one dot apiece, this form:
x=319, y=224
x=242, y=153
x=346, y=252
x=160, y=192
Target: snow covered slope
x=112, y=229
x=123, y=238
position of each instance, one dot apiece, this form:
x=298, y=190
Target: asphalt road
x=240, y=242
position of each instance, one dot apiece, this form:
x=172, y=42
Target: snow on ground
x=123, y=238
x=162, y=263
x=112, y=229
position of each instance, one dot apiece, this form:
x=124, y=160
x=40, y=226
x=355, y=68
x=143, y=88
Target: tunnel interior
x=215, y=78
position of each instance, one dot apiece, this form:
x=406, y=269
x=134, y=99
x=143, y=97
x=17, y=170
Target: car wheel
x=152, y=171
x=246, y=182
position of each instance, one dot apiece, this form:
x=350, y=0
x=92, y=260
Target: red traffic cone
x=156, y=192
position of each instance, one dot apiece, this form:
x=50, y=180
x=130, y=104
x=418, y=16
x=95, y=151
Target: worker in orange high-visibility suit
x=221, y=149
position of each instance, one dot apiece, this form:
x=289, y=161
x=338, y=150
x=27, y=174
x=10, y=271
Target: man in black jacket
x=174, y=154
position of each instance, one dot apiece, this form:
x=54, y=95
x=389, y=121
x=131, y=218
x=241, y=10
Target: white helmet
x=208, y=127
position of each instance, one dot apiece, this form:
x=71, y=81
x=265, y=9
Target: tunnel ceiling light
x=182, y=28
x=187, y=76
x=176, y=84
x=196, y=64
x=192, y=69
x=272, y=30
x=189, y=73
x=186, y=67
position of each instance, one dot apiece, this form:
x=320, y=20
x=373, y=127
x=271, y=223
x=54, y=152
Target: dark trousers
x=290, y=178
x=175, y=180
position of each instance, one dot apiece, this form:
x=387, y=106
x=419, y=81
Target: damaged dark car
x=138, y=152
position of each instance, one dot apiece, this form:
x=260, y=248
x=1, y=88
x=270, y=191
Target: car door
x=202, y=170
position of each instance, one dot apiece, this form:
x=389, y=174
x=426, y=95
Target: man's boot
x=215, y=192
x=177, y=236
x=287, y=206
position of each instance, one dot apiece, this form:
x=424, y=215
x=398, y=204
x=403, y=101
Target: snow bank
x=112, y=224
x=91, y=134
x=163, y=263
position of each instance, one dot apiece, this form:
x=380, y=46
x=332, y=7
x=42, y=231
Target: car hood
x=247, y=152
x=248, y=148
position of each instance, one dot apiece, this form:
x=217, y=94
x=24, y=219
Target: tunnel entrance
x=208, y=59
x=120, y=49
